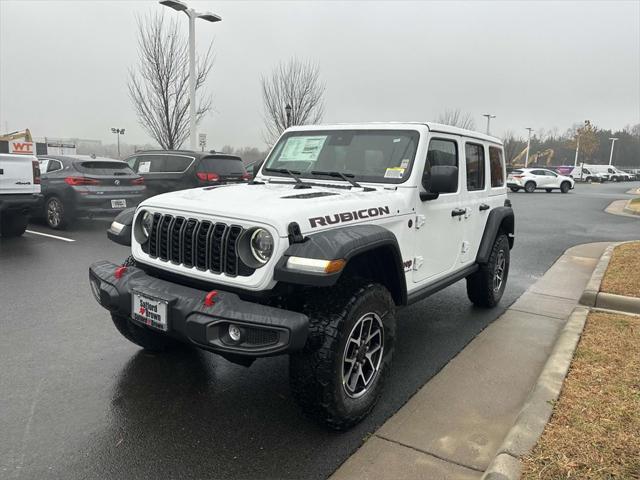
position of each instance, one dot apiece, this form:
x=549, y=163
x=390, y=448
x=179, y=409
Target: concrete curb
x=593, y=297
x=536, y=412
x=617, y=207
x=629, y=210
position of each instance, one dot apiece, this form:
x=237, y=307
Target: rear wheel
x=514, y=189
x=529, y=187
x=337, y=378
x=12, y=224
x=565, y=187
x=55, y=213
x=486, y=286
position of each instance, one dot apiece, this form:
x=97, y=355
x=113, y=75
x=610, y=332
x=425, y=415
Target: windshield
x=378, y=156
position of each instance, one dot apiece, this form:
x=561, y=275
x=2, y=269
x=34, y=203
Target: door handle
x=458, y=212
x=484, y=206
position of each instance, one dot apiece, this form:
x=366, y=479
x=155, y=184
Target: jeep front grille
x=194, y=243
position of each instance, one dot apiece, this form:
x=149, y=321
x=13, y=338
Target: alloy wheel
x=54, y=212
x=362, y=355
x=498, y=275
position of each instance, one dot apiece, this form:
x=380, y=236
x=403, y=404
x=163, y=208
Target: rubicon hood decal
x=348, y=216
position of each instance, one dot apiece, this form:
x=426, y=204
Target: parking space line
x=51, y=236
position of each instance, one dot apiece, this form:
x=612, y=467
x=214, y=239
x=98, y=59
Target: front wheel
x=529, y=187
x=337, y=378
x=549, y=190
x=486, y=286
x=514, y=189
x=565, y=187
x=12, y=224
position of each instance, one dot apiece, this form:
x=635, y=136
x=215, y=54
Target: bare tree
x=512, y=146
x=295, y=83
x=456, y=118
x=159, y=83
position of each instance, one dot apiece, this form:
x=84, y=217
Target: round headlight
x=147, y=223
x=261, y=243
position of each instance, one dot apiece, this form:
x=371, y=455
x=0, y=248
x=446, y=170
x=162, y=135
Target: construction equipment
x=20, y=134
x=536, y=158
x=515, y=161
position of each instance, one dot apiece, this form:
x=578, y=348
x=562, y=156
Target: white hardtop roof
x=432, y=126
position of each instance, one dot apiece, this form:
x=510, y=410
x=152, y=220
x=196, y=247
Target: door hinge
x=417, y=263
x=420, y=221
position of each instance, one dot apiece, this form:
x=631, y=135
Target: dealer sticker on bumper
x=150, y=311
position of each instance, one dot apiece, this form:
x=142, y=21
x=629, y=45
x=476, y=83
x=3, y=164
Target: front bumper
x=266, y=330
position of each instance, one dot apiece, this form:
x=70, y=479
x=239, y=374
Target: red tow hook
x=209, y=299
x=120, y=271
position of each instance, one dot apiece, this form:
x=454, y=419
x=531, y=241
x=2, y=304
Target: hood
x=314, y=209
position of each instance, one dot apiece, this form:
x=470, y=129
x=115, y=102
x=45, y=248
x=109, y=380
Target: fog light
x=234, y=333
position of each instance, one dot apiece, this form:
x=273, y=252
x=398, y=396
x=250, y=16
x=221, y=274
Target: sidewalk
x=453, y=426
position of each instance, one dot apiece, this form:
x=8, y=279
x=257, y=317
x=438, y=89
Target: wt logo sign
x=24, y=148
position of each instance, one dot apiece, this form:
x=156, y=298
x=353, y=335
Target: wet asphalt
x=77, y=401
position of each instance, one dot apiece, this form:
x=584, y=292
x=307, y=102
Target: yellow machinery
x=20, y=134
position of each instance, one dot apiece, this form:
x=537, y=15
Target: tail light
x=518, y=176
x=76, y=181
x=35, y=166
x=137, y=181
x=208, y=177
x=246, y=176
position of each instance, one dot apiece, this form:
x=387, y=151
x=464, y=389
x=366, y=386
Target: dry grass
x=594, y=432
x=623, y=274
x=634, y=204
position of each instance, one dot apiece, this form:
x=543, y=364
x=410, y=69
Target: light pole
x=575, y=160
x=613, y=142
x=118, y=132
x=526, y=159
x=287, y=110
x=180, y=6
x=489, y=117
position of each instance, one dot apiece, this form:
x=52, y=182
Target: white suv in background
x=531, y=179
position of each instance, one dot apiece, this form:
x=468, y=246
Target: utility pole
x=489, y=117
x=613, y=142
x=526, y=159
x=118, y=132
x=575, y=160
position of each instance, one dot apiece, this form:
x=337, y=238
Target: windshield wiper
x=292, y=173
x=347, y=177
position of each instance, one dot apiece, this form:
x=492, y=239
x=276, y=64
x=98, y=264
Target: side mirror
x=443, y=179
x=120, y=229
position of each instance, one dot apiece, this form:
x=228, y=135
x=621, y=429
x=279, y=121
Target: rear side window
x=475, y=166
x=497, y=169
x=163, y=163
x=104, y=168
x=440, y=153
x=222, y=166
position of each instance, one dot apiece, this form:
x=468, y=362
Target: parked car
x=531, y=179
x=86, y=186
x=20, y=192
x=617, y=175
x=314, y=263
x=587, y=173
x=171, y=170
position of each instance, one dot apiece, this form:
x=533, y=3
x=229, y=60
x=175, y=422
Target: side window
x=475, y=166
x=132, y=162
x=497, y=167
x=440, y=152
x=53, y=165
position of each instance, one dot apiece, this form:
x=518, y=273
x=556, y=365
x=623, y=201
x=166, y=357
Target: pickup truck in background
x=19, y=192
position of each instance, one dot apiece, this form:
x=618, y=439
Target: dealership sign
x=21, y=147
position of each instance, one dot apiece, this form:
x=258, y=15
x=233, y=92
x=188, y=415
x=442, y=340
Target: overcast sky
x=540, y=64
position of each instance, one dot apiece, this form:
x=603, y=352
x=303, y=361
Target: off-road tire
x=56, y=213
x=529, y=187
x=12, y=224
x=514, y=189
x=565, y=187
x=316, y=372
x=480, y=285
x=143, y=336
x=549, y=190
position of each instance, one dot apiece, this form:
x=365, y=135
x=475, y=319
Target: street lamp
x=613, y=142
x=489, y=117
x=287, y=110
x=526, y=159
x=118, y=132
x=180, y=6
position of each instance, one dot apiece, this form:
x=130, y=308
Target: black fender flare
x=342, y=243
x=122, y=237
x=500, y=217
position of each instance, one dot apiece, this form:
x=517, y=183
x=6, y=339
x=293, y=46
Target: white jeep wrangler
x=341, y=225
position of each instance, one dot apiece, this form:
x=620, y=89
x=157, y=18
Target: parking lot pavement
x=78, y=401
